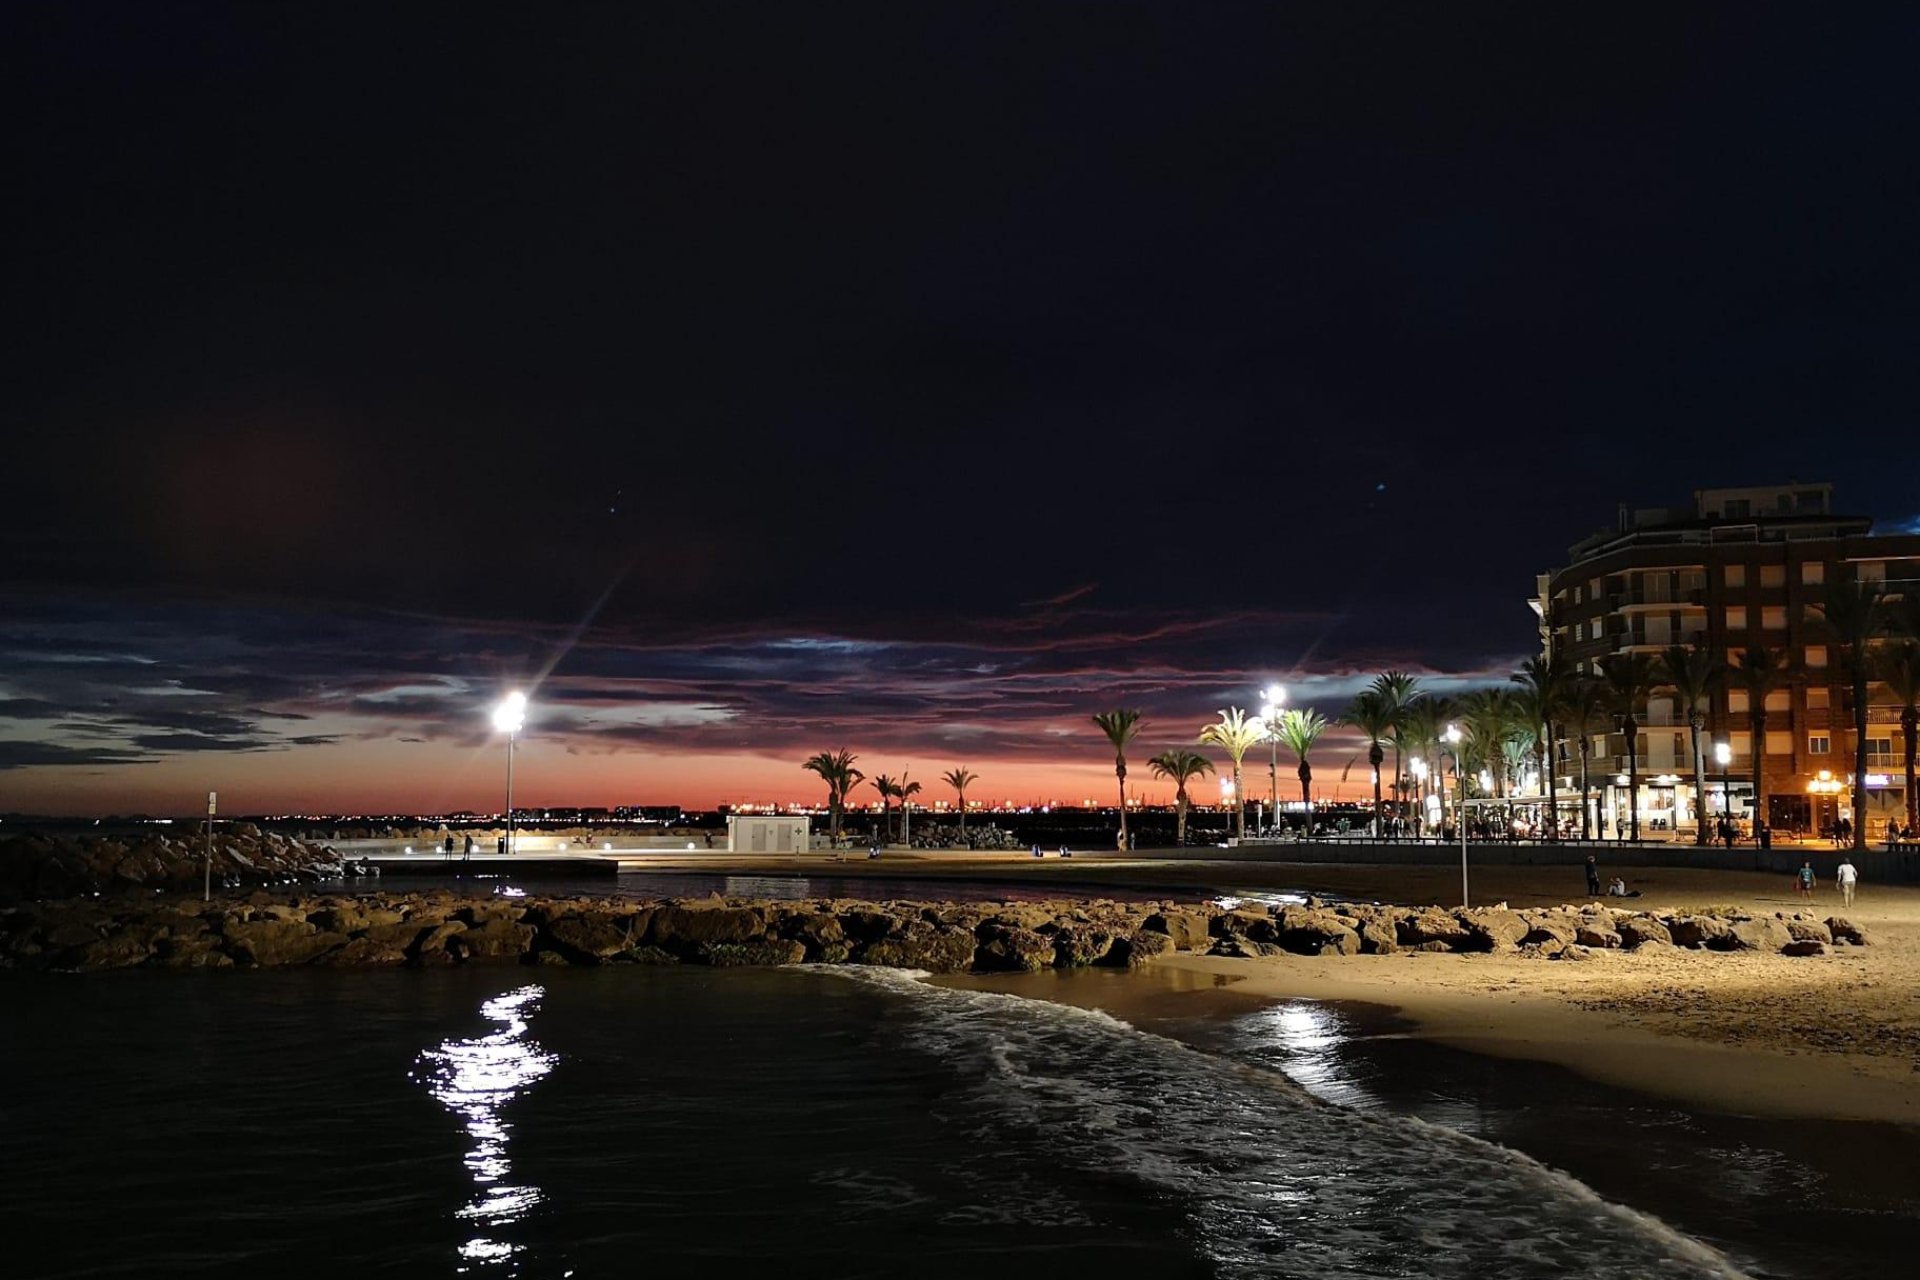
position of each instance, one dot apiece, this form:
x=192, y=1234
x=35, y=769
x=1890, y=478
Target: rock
x=1700, y=931
x=1805, y=930
x=1436, y=946
x=820, y=933
x=1573, y=953
x=1234, y=946
x=115, y=951
x=1549, y=926
x=923, y=946
x=1079, y=946
x=1761, y=933
x=1491, y=929
x=497, y=939
x=763, y=952
x=368, y=951
x=1844, y=930
x=1637, y=931
x=1377, y=938
x=591, y=937
x=1187, y=929
x=1431, y=925
x=1803, y=947
x=1142, y=948
x=1007, y=949
x=1597, y=932
x=273, y=942
x=1308, y=931
x=1242, y=920
x=199, y=952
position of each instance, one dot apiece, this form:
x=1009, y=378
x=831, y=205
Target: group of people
x=1845, y=878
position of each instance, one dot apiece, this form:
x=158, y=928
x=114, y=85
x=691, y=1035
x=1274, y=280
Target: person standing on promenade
x=1593, y=877
x=1803, y=879
x=468, y=855
x=1846, y=877
x=447, y=845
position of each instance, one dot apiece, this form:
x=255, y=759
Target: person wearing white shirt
x=1846, y=877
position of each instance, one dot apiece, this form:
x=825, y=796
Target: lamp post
x=1276, y=697
x=509, y=718
x=1420, y=789
x=1723, y=756
x=1453, y=737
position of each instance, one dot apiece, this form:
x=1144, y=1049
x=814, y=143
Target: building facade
x=1738, y=569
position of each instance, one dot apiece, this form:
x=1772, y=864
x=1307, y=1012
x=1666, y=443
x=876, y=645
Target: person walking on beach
x=1593, y=877
x=1846, y=877
x=1803, y=879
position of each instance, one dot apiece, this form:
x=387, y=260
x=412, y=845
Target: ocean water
x=798, y=1122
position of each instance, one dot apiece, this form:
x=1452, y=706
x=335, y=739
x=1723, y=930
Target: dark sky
x=760, y=377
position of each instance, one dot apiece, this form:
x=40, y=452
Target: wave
x=1271, y=1180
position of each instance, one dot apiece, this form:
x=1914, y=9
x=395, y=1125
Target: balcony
x=1658, y=598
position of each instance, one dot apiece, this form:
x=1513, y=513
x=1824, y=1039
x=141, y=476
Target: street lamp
x=1723, y=756
x=509, y=718
x=1420, y=788
x=1453, y=737
x=1276, y=697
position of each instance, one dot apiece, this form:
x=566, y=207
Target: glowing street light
x=1723, y=756
x=509, y=718
x=1453, y=738
x=1274, y=697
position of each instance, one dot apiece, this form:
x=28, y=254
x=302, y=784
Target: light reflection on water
x=475, y=1079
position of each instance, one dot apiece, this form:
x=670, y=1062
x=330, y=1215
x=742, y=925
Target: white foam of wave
x=1273, y=1181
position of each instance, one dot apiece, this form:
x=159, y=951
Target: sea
x=851, y=1122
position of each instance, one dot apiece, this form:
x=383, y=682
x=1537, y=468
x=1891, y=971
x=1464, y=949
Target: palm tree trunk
x=963, y=816
x=1859, y=751
x=1377, y=833
x=1306, y=793
x=1180, y=816
x=1553, y=789
x=1586, y=788
x=1240, y=804
x=1699, y=783
x=1909, y=722
x=1633, y=781
x=1757, y=726
x=1120, y=772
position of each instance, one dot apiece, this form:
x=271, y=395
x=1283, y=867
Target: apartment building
x=1737, y=568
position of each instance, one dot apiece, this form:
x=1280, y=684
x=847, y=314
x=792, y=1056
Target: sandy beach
x=1834, y=1036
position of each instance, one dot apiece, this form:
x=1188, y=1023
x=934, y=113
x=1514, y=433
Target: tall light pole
x=1723, y=756
x=509, y=718
x=1419, y=767
x=1453, y=736
x=1276, y=697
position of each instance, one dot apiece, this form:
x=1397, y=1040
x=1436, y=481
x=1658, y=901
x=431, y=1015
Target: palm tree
x=1758, y=672
x=1899, y=668
x=1120, y=727
x=1585, y=709
x=836, y=770
x=1236, y=735
x=1543, y=690
x=960, y=780
x=1856, y=614
x=888, y=789
x=1696, y=675
x=1374, y=717
x=1299, y=730
x=1397, y=690
x=1180, y=765
x=1423, y=721
x=1628, y=678
x=1489, y=720
x=905, y=793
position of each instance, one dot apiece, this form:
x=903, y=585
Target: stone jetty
x=440, y=928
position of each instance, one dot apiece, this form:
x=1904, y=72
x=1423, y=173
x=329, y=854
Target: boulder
x=1377, y=937
x=1491, y=929
x=1759, y=933
x=201, y=951
x=271, y=942
x=1142, y=948
x=1309, y=931
x=1597, y=932
x=590, y=937
x=1008, y=949
x=923, y=946
x=1187, y=929
x=1804, y=929
x=1077, y=946
x=1245, y=921
x=1845, y=930
x=761, y=952
x=369, y=950
x=1803, y=947
x=1637, y=931
x=1419, y=929
x=682, y=929
x=1700, y=931
x=497, y=939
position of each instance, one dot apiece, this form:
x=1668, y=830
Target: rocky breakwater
x=35, y=866
x=1568, y=932
x=443, y=929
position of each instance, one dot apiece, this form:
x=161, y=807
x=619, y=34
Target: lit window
x=1872, y=571
x=1819, y=699
x=1773, y=575
x=1737, y=701
x=1816, y=656
x=1779, y=743
x=1818, y=744
x=1736, y=619
x=1741, y=741
x=1773, y=617
x=1736, y=575
x=1813, y=573
x=1779, y=700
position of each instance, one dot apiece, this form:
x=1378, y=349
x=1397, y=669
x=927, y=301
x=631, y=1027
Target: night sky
x=748, y=380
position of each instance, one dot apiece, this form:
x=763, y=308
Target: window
x=1735, y=575
x=1879, y=746
x=1813, y=573
x=1818, y=744
x=1737, y=703
x=1593, y=589
x=1779, y=742
x=1599, y=744
x=1741, y=741
x=1819, y=699
x=1773, y=617
x=1594, y=628
x=1816, y=656
x=1779, y=700
x=1871, y=571
x=1579, y=594
x=1737, y=619
x=1773, y=575
x=1739, y=508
